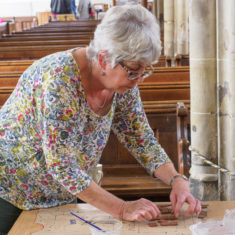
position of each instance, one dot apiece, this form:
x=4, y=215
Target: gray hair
x=129, y=33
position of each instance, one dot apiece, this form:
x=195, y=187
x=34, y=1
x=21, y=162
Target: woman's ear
x=101, y=59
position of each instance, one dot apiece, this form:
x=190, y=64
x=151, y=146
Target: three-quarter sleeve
x=132, y=129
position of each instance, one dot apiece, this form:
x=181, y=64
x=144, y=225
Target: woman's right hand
x=139, y=210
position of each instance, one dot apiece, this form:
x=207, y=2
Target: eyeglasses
x=134, y=76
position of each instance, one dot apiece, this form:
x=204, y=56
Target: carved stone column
x=202, y=23
x=158, y=10
x=226, y=94
x=181, y=27
x=169, y=28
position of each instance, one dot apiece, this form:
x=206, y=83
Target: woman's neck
x=88, y=71
x=98, y=97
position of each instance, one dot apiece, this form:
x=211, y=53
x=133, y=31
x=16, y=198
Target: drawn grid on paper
x=59, y=221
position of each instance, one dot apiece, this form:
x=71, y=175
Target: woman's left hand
x=180, y=194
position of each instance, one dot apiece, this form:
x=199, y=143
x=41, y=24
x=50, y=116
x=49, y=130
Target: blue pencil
x=87, y=222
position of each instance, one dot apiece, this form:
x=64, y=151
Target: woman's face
x=117, y=78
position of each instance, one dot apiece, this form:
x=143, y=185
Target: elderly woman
x=57, y=121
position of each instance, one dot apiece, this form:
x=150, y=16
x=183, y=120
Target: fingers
x=141, y=210
x=198, y=207
x=194, y=205
x=191, y=206
x=142, y=216
x=178, y=206
x=154, y=210
x=148, y=211
x=173, y=200
x=177, y=202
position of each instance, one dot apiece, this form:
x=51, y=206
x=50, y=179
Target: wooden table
x=59, y=221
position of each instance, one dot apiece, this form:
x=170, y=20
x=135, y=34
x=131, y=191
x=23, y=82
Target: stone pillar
x=158, y=10
x=202, y=24
x=169, y=28
x=226, y=94
x=155, y=9
x=181, y=27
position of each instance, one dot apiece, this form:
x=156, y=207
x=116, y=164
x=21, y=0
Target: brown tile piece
x=166, y=210
x=168, y=223
x=153, y=224
x=164, y=205
x=168, y=217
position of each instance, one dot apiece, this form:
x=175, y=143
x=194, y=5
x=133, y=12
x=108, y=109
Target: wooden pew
x=85, y=29
x=165, y=91
x=175, y=88
x=61, y=27
x=32, y=52
x=124, y=177
x=57, y=24
x=57, y=29
x=9, y=79
x=36, y=36
x=74, y=36
x=10, y=43
x=159, y=92
x=15, y=66
x=4, y=29
x=23, y=22
x=165, y=84
x=168, y=74
x=27, y=24
x=5, y=92
x=161, y=74
x=85, y=25
x=29, y=34
x=36, y=49
x=180, y=60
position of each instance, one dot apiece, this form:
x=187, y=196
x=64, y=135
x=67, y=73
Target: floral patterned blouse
x=50, y=138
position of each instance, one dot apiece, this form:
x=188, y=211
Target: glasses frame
x=137, y=75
